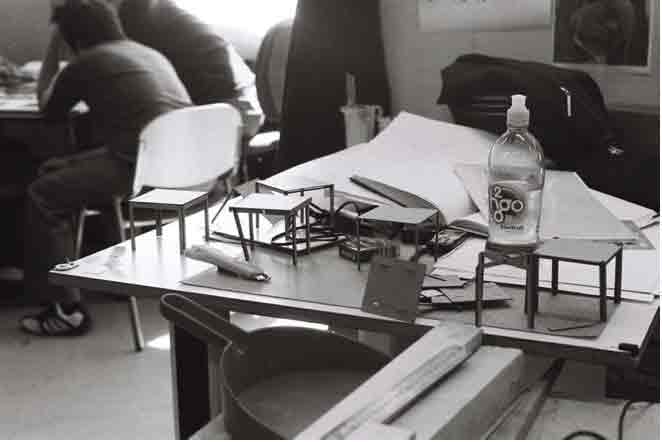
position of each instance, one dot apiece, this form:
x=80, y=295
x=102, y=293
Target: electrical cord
x=588, y=433
x=621, y=422
x=621, y=418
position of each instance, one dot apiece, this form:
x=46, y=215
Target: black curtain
x=329, y=38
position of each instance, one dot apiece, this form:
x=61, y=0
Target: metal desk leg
x=241, y=235
x=257, y=216
x=555, y=277
x=416, y=245
x=182, y=229
x=302, y=215
x=190, y=382
x=132, y=227
x=618, y=277
x=436, y=239
x=603, y=292
x=535, y=262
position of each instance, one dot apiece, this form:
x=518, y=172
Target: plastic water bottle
x=516, y=179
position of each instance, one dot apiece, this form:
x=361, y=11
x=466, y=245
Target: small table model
x=298, y=187
x=403, y=215
x=577, y=251
x=266, y=204
x=169, y=199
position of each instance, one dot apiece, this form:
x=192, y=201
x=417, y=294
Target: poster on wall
x=594, y=34
x=483, y=15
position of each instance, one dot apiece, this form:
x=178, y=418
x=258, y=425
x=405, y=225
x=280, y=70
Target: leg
x=182, y=229
x=134, y=315
x=132, y=227
x=206, y=209
x=241, y=236
x=190, y=382
x=307, y=210
x=80, y=230
x=294, y=238
x=52, y=200
x=603, y=292
x=480, y=269
x=119, y=218
x=555, y=276
x=619, y=276
x=251, y=236
x=159, y=222
x=331, y=205
x=358, y=243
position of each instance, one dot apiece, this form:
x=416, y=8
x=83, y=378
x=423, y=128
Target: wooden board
x=464, y=405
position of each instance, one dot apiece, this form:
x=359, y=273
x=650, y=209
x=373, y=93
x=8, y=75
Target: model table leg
x=555, y=277
x=294, y=238
x=206, y=209
x=159, y=222
x=241, y=235
x=603, y=292
x=132, y=227
x=251, y=235
x=307, y=209
x=182, y=229
x=480, y=269
x=618, y=277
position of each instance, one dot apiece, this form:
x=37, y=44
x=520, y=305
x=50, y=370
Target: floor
x=97, y=387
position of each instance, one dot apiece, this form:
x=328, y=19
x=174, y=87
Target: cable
x=588, y=433
x=621, y=418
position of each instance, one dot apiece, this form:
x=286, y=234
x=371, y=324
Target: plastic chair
x=185, y=149
x=270, y=73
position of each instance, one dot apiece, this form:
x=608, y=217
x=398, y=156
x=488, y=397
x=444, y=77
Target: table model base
x=581, y=252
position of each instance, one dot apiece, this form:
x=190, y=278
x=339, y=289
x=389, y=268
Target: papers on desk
x=569, y=210
x=419, y=156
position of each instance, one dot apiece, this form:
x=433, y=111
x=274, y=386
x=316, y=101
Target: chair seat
x=263, y=142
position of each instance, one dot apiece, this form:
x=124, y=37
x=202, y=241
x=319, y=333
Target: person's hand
x=52, y=165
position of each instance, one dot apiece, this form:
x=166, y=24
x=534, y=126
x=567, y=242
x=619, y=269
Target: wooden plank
x=464, y=405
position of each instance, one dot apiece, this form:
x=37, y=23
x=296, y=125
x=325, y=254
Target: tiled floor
x=96, y=386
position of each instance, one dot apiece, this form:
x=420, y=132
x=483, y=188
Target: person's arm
x=50, y=67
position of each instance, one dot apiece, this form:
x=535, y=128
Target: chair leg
x=138, y=340
x=134, y=314
x=117, y=208
x=80, y=232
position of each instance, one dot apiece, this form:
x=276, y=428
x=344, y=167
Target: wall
x=24, y=32
x=24, y=29
x=414, y=60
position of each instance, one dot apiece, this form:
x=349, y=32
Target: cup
x=360, y=121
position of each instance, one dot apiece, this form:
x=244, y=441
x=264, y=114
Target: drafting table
x=156, y=267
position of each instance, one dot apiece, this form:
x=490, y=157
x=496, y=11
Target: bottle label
x=507, y=206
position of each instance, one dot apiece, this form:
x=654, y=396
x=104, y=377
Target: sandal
x=55, y=322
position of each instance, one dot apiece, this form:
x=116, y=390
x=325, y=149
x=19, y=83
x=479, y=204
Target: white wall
x=414, y=60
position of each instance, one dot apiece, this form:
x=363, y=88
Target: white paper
x=484, y=15
x=569, y=208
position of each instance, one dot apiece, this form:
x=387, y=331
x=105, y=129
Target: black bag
x=568, y=117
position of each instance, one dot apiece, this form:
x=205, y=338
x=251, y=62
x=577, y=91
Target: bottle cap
x=518, y=114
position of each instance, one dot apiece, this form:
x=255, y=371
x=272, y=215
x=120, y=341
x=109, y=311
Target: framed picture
x=595, y=33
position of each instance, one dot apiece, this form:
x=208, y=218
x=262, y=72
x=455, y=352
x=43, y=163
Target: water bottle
x=516, y=179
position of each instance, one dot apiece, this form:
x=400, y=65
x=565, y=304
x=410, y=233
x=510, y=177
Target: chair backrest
x=189, y=148
x=270, y=69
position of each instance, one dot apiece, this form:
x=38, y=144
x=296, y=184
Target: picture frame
x=605, y=35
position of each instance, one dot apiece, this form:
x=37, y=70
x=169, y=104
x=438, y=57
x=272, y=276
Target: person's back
x=125, y=85
x=209, y=67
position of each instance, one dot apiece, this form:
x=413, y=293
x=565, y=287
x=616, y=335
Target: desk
x=19, y=108
x=156, y=267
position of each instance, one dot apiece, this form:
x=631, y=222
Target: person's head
x=87, y=23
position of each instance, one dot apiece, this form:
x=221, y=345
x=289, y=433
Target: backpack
x=568, y=116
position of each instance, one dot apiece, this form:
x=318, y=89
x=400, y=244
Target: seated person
x=126, y=85
x=210, y=67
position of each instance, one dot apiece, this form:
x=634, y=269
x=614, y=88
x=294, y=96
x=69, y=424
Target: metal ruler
x=404, y=393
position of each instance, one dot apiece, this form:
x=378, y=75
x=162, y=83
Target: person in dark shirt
x=125, y=85
x=209, y=66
